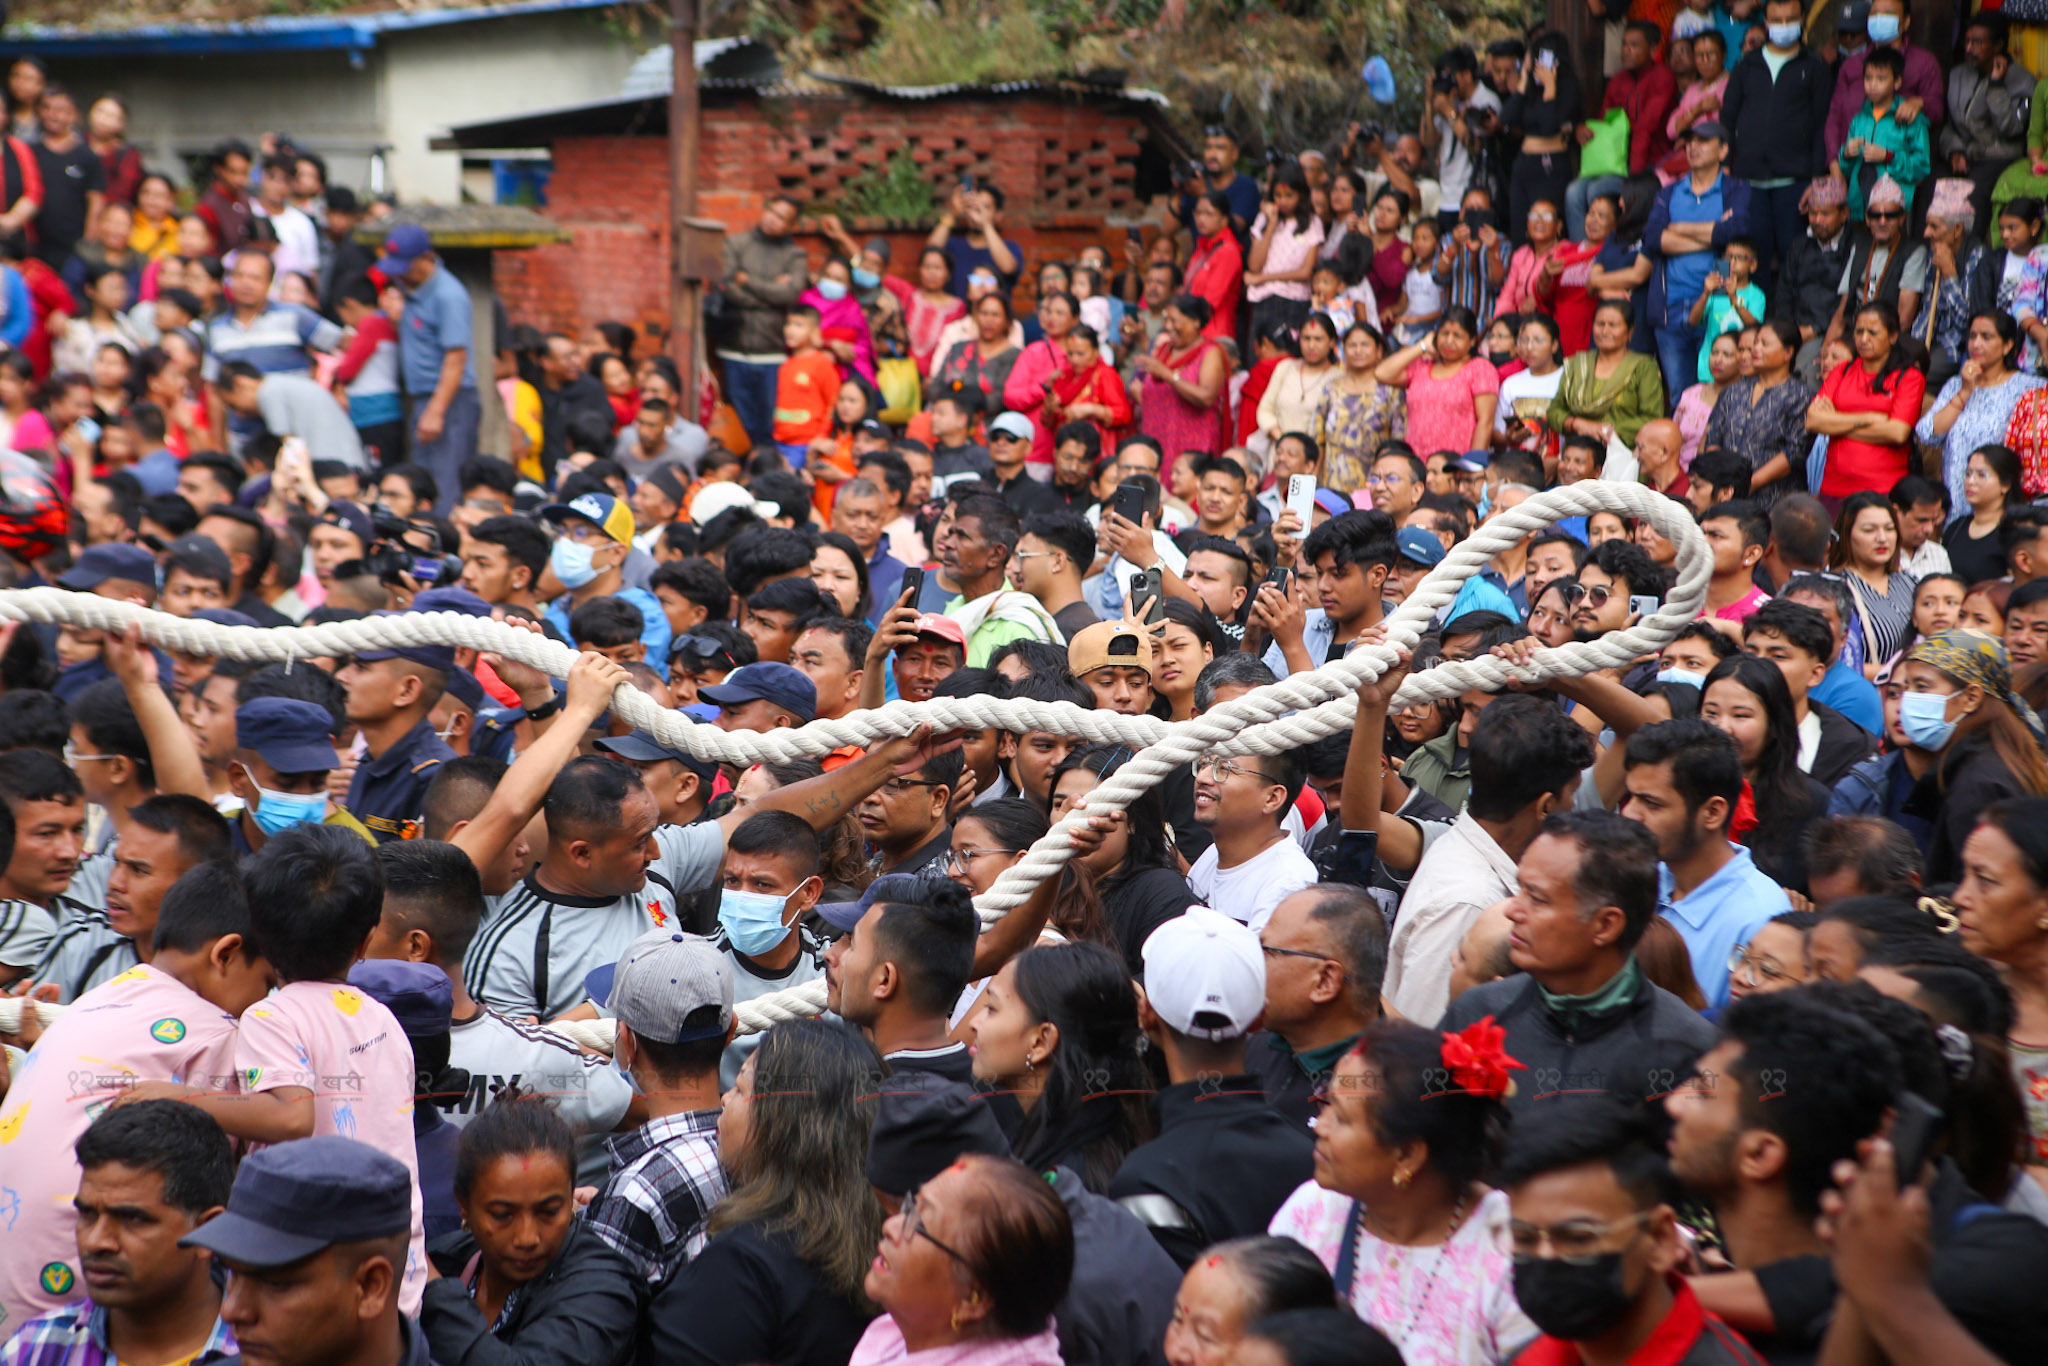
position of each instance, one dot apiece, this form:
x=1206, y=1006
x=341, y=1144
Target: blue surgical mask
x=571, y=561
x=866, y=279
x=1682, y=676
x=1783, y=35
x=1924, y=715
x=1882, y=28
x=831, y=288
x=753, y=920
x=625, y=1076
x=278, y=811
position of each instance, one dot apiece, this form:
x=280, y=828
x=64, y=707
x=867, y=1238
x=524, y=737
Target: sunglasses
x=1884, y=215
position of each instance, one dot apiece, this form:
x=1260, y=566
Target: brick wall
x=1064, y=168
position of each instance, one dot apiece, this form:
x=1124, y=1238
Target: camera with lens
x=1444, y=83
x=393, y=557
x=1370, y=133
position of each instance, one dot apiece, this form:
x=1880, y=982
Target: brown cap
x=1109, y=643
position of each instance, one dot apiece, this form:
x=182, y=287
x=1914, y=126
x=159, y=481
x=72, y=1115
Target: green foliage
x=939, y=42
x=899, y=190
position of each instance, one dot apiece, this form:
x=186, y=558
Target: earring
x=1401, y=1179
x=956, y=1318
x=1029, y=1065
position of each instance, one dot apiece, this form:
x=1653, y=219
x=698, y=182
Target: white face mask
x=1783, y=35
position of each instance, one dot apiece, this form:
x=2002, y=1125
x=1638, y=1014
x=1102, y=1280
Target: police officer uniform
x=389, y=793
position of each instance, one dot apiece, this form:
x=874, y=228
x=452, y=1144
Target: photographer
x=1220, y=175
x=1397, y=163
x=1461, y=113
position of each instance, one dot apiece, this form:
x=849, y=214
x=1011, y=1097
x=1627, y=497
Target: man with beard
x=1684, y=778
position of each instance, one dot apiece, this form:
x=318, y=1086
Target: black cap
x=293, y=1199
x=923, y=1125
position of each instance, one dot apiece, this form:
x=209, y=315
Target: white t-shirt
x=1251, y=890
x=1454, y=162
x=1526, y=396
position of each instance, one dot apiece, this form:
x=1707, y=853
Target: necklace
x=1421, y=1300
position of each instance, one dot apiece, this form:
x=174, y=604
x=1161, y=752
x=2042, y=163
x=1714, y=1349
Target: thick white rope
x=1282, y=716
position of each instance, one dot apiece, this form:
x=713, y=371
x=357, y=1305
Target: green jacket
x=1440, y=770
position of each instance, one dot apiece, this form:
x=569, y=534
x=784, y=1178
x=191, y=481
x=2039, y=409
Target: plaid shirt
x=76, y=1335
x=664, y=1183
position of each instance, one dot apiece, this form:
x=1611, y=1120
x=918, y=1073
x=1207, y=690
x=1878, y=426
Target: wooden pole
x=685, y=293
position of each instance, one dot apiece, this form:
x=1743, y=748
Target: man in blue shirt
x=588, y=559
x=1684, y=783
x=1219, y=172
x=435, y=363
x=1690, y=226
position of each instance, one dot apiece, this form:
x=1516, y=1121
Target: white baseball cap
x=1205, y=974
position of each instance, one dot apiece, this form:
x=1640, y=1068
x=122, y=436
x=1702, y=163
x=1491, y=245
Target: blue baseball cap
x=418, y=994
x=778, y=683
x=98, y=563
x=440, y=657
x=1333, y=502
x=464, y=688
x=1420, y=546
x=406, y=244
x=225, y=616
x=641, y=747
x=451, y=599
x=290, y=735
x=293, y=1199
x=603, y=511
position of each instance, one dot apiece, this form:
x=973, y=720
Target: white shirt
x=1454, y=161
x=1809, y=741
x=1523, y=386
x=1930, y=558
x=298, y=241
x=1251, y=890
x=1460, y=875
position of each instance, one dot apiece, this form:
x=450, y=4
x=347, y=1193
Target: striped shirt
x=276, y=341
x=26, y=930
x=76, y=1335
x=535, y=948
x=85, y=952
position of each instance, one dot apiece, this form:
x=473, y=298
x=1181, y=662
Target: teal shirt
x=1722, y=317
x=1911, y=161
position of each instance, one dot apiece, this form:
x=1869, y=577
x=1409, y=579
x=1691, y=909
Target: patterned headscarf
x=1974, y=657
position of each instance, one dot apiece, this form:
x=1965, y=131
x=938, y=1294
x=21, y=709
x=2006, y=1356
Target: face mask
x=831, y=289
x=1683, y=676
x=625, y=1076
x=1574, y=1303
x=1500, y=358
x=282, y=810
x=753, y=920
x=572, y=562
x=1783, y=35
x=1924, y=718
x=1882, y=28
x=866, y=279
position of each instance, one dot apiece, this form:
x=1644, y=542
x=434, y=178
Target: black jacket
x=1640, y=1048
x=584, y=1309
x=1843, y=745
x=558, y=407
x=1224, y=1161
x=1779, y=844
x=1777, y=125
x=1969, y=778
x=1810, y=278
x=1120, y=1299
x=1286, y=1077
x=1137, y=903
x=749, y=1300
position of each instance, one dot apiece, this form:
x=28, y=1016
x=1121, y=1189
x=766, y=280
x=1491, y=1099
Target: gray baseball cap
x=663, y=979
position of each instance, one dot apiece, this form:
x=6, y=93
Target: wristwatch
x=545, y=709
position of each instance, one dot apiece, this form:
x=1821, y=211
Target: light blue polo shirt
x=436, y=320
x=1685, y=275
x=1720, y=913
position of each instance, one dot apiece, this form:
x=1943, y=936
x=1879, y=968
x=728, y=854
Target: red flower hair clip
x=1477, y=1060
x=1744, y=819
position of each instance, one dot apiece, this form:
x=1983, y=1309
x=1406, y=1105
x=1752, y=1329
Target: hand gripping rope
x=1293, y=712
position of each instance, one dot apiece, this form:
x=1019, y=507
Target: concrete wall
x=181, y=105
x=411, y=87
x=466, y=73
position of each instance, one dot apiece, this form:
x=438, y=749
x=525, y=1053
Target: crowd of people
x=1694, y=1010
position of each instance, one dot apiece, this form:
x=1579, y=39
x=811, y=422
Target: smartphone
x=1475, y=219
x=1913, y=1134
x=1642, y=605
x=1129, y=503
x=89, y=428
x=1145, y=589
x=967, y=183
x=913, y=584
x=1301, y=499
x=1135, y=235
x=1546, y=60
x=1281, y=578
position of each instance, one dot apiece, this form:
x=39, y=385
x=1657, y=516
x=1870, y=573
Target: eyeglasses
x=1576, y=1241
x=1224, y=768
x=913, y=1227
x=701, y=646
x=1029, y=554
x=1275, y=951
x=72, y=756
x=1885, y=215
x=896, y=787
x=958, y=859
x=1756, y=969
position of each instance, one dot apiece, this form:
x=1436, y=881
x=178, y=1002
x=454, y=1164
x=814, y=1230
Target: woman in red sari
x=1089, y=390
x=1216, y=270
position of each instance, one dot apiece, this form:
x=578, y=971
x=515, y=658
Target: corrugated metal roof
x=276, y=33
x=744, y=60
x=933, y=92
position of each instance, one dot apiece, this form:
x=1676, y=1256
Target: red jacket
x=1688, y=1336
x=1649, y=96
x=1216, y=273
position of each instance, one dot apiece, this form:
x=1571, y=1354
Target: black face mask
x=1574, y=1303
x=1500, y=358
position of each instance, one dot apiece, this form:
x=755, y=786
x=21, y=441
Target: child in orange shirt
x=805, y=386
